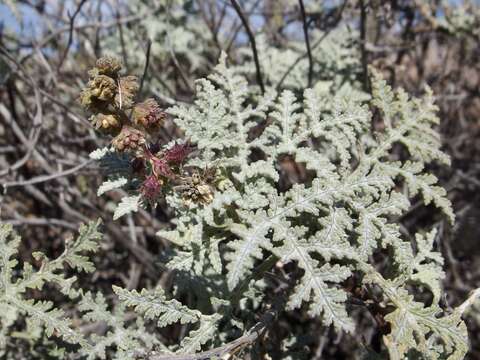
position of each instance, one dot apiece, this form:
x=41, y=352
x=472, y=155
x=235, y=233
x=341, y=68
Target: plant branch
x=147, y=62
x=307, y=42
x=251, y=37
x=70, y=32
x=44, y=178
x=319, y=41
x=182, y=73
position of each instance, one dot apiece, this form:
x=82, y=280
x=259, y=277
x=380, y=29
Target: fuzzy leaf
x=128, y=205
x=196, y=338
x=111, y=185
x=154, y=305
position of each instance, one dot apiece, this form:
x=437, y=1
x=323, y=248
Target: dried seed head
x=148, y=115
x=199, y=194
x=103, y=87
x=88, y=101
x=108, y=65
x=109, y=124
x=196, y=179
x=127, y=91
x=197, y=190
x=205, y=193
x=129, y=139
x=99, y=91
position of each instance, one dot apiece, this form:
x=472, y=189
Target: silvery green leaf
x=111, y=185
x=128, y=205
x=154, y=306
x=99, y=153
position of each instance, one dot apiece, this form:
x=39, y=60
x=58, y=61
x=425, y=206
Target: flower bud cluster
x=111, y=98
x=148, y=115
x=160, y=170
x=133, y=125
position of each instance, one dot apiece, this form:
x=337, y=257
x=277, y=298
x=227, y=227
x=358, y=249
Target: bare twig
x=97, y=24
x=43, y=178
x=317, y=43
x=251, y=37
x=29, y=143
x=122, y=42
x=37, y=119
x=19, y=221
x=307, y=42
x=220, y=20
x=174, y=56
x=70, y=33
x=147, y=62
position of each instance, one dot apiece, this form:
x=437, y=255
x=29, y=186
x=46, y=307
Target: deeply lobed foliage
x=330, y=223
x=24, y=318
